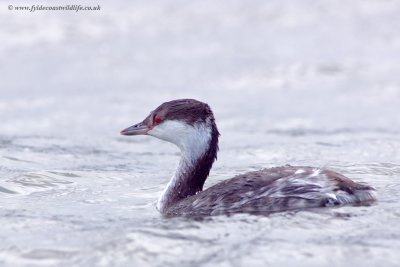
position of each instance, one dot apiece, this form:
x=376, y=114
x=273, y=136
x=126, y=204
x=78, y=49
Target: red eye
x=157, y=120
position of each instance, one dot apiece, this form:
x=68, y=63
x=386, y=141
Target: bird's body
x=275, y=189
x=190, y=125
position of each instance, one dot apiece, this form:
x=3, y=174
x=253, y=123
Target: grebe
x=190, y=125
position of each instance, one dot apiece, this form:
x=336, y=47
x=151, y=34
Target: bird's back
x=275, y=189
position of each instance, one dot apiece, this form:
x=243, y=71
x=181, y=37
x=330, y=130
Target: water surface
x=311, y=83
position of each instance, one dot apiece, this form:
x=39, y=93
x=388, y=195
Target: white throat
x=193, y=141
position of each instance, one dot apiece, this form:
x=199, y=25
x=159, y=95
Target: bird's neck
x=197, y=156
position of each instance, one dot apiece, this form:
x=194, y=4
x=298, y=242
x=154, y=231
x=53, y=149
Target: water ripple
x=36, y=181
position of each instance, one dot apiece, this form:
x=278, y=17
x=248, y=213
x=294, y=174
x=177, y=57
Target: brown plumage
x=190, y=124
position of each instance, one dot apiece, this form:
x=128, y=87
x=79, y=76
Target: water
x=306, y=83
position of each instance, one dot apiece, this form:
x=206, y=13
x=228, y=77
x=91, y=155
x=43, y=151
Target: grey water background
x=302, y=82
